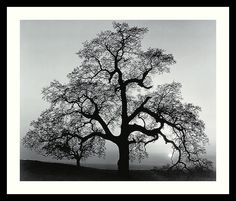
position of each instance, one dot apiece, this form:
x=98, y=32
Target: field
x=44, y=171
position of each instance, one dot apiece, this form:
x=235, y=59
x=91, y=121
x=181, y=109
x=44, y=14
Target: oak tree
x=101, y=101
x=52, y=136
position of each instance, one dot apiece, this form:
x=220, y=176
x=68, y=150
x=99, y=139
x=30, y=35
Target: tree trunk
x=123, y=162
x=78, y=162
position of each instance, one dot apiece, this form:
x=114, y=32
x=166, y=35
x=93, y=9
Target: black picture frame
x=3, y=13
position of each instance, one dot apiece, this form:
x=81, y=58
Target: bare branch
x=139, y=81
x=139, y=109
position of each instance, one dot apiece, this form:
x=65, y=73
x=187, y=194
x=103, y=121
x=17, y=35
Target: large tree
x=102, y=99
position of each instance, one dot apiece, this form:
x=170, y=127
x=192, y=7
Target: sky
x=48, y=51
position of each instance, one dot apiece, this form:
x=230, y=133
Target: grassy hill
x=43, y=171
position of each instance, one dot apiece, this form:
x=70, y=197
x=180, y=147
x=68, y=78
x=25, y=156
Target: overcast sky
x=48, y=52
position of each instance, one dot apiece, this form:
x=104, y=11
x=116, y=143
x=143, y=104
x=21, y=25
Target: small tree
x=52, y=135
x=101, y=92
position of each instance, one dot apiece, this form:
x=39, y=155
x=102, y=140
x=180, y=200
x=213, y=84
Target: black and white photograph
x=118, y=100
x=101, y=102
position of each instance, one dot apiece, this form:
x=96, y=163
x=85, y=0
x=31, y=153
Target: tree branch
x=139, y=81
x=111, y=73
x=161, y=120
x=152, y=133
x=138, y=110
x=96, y=116
x=94, y=134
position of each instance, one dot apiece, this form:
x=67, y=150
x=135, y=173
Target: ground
x=42, y=171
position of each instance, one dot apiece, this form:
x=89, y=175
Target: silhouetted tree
x=101, y=100
x=52, y=135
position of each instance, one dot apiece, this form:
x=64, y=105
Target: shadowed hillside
x=42, y=171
